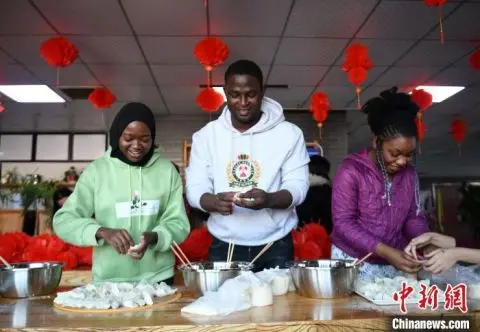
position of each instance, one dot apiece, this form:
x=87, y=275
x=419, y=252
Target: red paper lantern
x=357, y=64
x=458, y=130
x=475, y=60
x=2, y=108
x=357, y=56
x=211, y=52
x=319, y=106
x=357, y=75
x=59, y=52
x=101, y=98
x=422, y=98
x=209, y=100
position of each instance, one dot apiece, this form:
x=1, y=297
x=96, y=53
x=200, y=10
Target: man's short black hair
x=245, y=67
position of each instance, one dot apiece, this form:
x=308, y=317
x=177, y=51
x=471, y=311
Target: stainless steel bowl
x=323, y=279
x=209, y=276
x=29, y=279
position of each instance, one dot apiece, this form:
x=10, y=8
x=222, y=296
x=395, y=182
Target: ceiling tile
x=455, y=76
x=337, y=77
x=4, y=58
x=169, y=50
x=108, y=50
x=248, y=17
x=74, y=75
x=19, y=17
x=467, y=98
x=146, y=94
x=85, y=17
x=187, y=75
x=259, y=50
x=339, y=22
x=390, y=20
x=339, y=96
x=16, y=74
x=123, y=74
x=290, y=98
x=433, y=53
x=25, y=49
x=463, y=24
x=382, y=52
x=297, y=75
x=405, y=77
x=181, y=100
x=314, y=51
x=167, y=17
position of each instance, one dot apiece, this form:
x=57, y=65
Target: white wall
x=172, y=131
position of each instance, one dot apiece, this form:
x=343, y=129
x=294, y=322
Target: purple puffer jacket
x=361, y=216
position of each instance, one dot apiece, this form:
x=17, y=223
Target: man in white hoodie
x=249, y=170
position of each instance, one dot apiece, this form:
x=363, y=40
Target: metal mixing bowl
x=29, y=279
x=323, y=279
x=209, y=276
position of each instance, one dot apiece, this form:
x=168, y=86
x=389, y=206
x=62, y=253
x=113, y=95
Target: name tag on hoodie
x=142, y=208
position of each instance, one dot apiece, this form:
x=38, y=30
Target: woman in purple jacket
x=375, y=199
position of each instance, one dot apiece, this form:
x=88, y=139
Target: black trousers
x=277, y=255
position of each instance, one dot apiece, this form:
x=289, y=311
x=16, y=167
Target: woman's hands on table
x=398, y=259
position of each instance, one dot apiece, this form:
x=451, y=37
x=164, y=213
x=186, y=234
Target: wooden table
x=288, y=313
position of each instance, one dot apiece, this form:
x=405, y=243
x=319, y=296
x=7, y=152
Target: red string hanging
x=211, y=52
x=102, y=98
x=424, y=100
x=357, y=64
x=475, y=60
x=439, y=4
x=209, y=100
x=458, y=130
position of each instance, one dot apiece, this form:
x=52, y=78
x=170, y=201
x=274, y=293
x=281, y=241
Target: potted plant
x=35, y=193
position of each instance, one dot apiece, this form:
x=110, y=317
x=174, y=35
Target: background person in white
x=249, y=169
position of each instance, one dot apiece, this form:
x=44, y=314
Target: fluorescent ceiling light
x=31, y=94
x=219, y=89
x=440, y=93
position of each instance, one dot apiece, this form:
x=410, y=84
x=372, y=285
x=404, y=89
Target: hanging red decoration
x=319, y=106
x=311, y=242
x=102, y=98
x=458, y=130
x=439, y=4
x=357, y=64
x=209, y=100
x=422, y=98
x=420, y=128
x=475, y=60
x=211, y=52
x=18, y=247
x=196, y=245
x=59, y=52
x=2, y=108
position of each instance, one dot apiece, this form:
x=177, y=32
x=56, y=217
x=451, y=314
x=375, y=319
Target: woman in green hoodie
x=136, y=197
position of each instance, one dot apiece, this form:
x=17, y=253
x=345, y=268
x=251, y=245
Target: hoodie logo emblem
x=243, y=172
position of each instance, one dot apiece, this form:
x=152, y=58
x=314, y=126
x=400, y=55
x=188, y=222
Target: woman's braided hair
x=392, y=115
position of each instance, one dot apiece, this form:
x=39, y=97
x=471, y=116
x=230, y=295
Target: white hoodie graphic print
x=271, y=156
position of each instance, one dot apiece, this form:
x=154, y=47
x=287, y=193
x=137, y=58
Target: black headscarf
x=129, y=113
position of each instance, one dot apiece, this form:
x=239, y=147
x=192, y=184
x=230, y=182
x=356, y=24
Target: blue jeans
x=277, y=255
